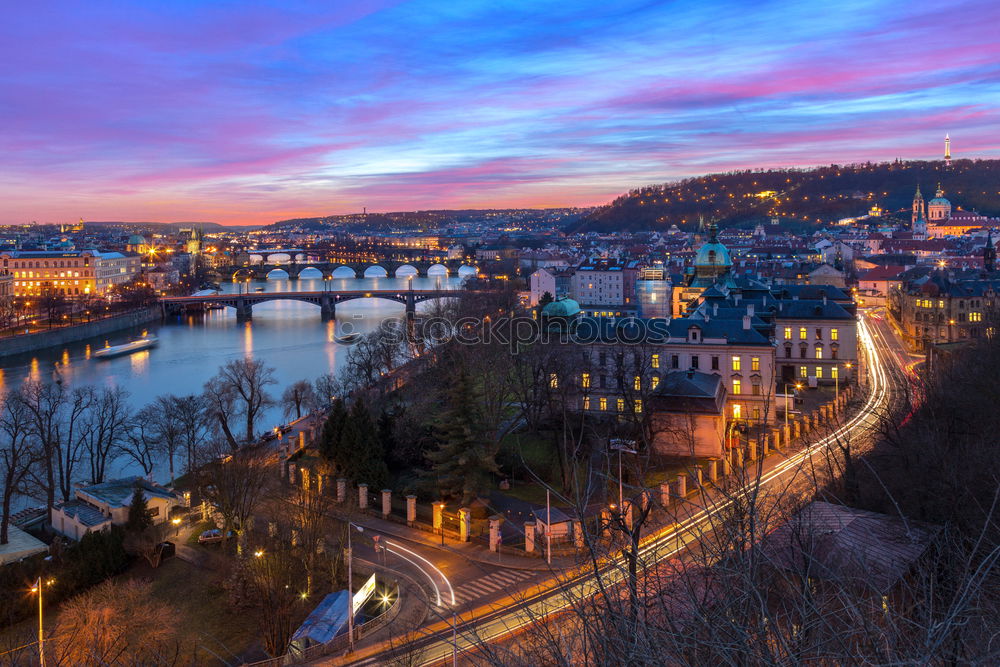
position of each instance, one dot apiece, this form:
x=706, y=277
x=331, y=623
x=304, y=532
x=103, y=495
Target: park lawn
x=205, y=622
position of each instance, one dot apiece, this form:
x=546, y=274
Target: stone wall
x=25, y=343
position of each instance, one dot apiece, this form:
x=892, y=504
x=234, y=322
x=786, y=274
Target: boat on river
x=347, y=339
x=144, y=342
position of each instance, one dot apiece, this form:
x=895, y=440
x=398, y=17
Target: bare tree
x=245, y=382
x=273, y=581
x=141, y=443
x=234, y=484
x=105, y=429
x=297, y=397
x=17, y=455
x=117, y=623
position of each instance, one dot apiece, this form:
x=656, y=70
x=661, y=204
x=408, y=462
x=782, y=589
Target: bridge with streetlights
x=391, y=268
x=327, y=301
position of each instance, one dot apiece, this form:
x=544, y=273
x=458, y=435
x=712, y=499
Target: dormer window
x=693, y=334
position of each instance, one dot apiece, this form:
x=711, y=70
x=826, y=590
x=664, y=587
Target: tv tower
x=947, y=151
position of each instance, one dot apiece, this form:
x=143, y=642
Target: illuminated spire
x=947, y=150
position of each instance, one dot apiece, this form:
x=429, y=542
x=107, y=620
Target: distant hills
x=172, y=226
x=817, y=196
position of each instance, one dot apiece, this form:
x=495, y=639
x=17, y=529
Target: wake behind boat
x=144, y=342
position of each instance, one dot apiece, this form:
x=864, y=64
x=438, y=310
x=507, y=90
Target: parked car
x=210, y=536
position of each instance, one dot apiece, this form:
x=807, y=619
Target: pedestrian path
x=498, y=582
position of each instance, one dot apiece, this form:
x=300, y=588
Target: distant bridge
x=444, y=267
x=326, y=300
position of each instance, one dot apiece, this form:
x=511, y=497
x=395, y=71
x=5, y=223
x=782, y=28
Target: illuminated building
x=68, y=273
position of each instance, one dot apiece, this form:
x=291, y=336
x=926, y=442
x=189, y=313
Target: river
x=287, y=335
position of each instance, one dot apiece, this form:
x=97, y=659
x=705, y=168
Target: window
x=834, y=334
x=756, y=388
x=603, y=403
x=553, y=381
x=802, y=351
x=975, y=317
x=803, y=334
x=819, y=334
x=819, y=351
x=621, y=405
x=756, y=414
x=803, y=372
x=637, y=383
x=638, y=406
x=585, y=381
x=788, y=352
x=602, y=359
x=736, y=386
x=737, y=410
x=604, y=382
x=755, y=363
x=655, y=361
x=715, y=363
x=694, y=361
x=736, y=362
x=834, y=372
x=586, y=402
x=819, y=372
x=788, y=333
x=675, y=361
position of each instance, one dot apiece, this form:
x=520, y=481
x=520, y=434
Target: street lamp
x=177, y=524
x=798, y=385
x=350, y=574
x=37, y=588
x=621, y=446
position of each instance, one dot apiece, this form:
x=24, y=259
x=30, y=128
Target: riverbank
x=15, y=345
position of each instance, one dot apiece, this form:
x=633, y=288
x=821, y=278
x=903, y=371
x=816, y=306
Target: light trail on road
x=437, y=591
x=490, y=623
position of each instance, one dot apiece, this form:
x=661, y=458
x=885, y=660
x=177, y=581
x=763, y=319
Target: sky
x=245, y=112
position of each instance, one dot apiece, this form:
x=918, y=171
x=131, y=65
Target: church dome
x=939, y=200
x=135, y=239
x=713, y=254
x=561, y=308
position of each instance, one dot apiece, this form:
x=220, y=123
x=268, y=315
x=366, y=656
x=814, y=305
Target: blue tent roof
x=326, y=621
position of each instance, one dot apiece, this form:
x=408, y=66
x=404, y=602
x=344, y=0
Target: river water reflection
x=288, y=335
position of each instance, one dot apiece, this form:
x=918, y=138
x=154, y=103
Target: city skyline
x=246, y=115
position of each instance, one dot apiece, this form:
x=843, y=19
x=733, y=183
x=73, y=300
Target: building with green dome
x=561, y=311
x=712, y=268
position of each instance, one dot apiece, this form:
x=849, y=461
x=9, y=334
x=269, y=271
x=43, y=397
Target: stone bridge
x=326, y=300
x=391, y=268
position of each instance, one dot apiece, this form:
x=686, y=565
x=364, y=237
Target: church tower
x=947, y=151
x=920, y=228
x=918, y=207
x=989, y=253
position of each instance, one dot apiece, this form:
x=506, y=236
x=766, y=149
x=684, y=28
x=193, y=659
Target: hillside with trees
x=817, y=196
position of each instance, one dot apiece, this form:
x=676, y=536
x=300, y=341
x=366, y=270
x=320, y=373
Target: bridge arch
x=437, y=270
x=343, y=271
x=277, y=274
x=376, y=271
x=406, y=270
x=311, y=273
x=466, y=270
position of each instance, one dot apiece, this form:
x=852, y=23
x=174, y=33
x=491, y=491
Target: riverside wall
x=25, y=343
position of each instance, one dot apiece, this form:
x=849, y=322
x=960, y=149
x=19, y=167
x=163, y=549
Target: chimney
x=746, y=322
x=715, y=309
x=750, y=309
x=824, y=299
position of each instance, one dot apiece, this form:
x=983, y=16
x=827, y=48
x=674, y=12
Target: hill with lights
x=816, y=196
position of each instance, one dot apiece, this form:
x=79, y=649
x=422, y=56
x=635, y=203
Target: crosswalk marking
x=491, y=584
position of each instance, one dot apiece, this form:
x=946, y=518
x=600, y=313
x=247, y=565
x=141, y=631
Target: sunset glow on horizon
x=247, y=113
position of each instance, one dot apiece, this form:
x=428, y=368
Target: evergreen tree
x=463, y=463
x=329, y=443
x=364, y=457
x=139, y=518
x=545, y=299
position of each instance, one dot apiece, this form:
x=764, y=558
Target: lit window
x=638, y=406
x=736, y=362
x=755, y=363
x=802, y=333
x=553, y=381
x=621, y=405
x=586, y=402
x=756, y=414
x=788, y=333
x=603, y=403
x=819, y=351
x=736, y=386
x=654, y=382
x=737, y=410
x=637, y=383
x=819, y=372
x=803, y=372
x=656, y=361
x=834, y=334
x=585, y=381
x=834, y=372
x=975, y=317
